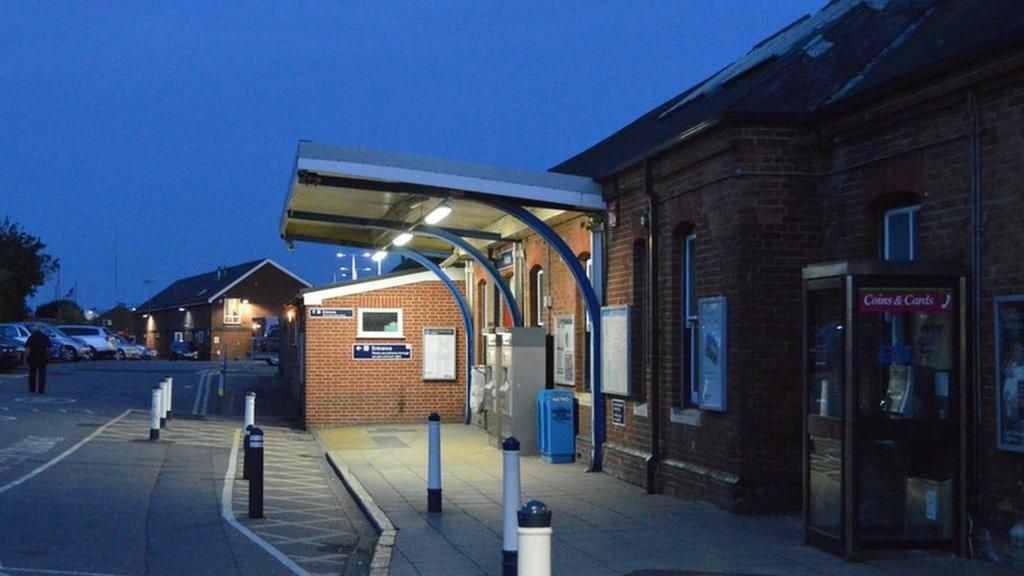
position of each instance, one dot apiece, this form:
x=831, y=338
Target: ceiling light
x=438, y=214
x=402, y=239
x=366, y=254
x=379, y=255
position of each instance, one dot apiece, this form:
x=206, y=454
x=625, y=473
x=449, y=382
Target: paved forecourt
x=602, y=526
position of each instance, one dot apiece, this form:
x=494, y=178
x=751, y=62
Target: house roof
x=847, y=50
x=206, y=287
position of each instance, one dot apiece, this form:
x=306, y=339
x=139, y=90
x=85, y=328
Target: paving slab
x=602, y=525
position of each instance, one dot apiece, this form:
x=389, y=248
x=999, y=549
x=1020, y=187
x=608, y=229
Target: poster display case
x=884, y=430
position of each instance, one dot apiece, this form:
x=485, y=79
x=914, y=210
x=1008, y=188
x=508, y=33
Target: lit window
x=232, y=310
x=537, y=296
x=690, y=383
x=900, y=242
x=380, y=323
x=179, y=337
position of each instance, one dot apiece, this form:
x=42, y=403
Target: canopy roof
x=365, y=198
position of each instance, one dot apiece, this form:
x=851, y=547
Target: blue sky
x=164, y=132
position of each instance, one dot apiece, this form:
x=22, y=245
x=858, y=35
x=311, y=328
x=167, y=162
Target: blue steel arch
x=483, y=260
x=593, y=308
x=467, y=317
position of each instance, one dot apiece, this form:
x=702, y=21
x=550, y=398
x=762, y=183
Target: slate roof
x=199, y=289
x=846, y=51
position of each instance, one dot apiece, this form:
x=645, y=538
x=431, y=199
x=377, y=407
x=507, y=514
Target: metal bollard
x=246, y=456
x=170, y=397
x=534, y=539
x=163, y=403
x=256, y=478
x=250, y=410
x=434, y=463
x=510, y=499
x=155, y=410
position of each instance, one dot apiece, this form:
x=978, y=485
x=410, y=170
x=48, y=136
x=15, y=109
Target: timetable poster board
x=615, y=352
x=565, y=349
x=714, y=351
x=439, y=352
x=1009, y=315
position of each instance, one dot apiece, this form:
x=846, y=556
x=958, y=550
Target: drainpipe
x=976, y=216
x=651, y=323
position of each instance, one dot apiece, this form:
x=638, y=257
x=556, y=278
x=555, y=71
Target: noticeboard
x=1009, y=316
x=615, y=352
x=439, y=351
x=565, y=349
x=713, y=350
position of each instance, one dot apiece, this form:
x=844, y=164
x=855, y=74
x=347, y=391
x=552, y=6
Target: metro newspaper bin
x=555, y=426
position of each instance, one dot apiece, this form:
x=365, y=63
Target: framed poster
x=439, y=351
x=713, y=352
x=615, y=350
x=1009, y=322
x=565, y=349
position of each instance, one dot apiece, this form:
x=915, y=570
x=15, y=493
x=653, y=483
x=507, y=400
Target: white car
x=127, y=350
x=15, y=332
x=98, y=338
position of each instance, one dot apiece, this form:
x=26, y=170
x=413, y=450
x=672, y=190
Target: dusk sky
x=163, y=134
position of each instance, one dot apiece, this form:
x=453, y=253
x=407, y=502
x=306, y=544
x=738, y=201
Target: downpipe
x=976, y=215
x=651, y=324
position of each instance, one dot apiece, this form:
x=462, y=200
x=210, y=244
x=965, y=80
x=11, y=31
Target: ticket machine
x=522, y=356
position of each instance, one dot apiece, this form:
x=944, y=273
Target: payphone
x=494, y=376
x=522, y=355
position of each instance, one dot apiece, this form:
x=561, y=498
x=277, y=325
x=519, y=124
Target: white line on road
x=10, y=570
x=229, y=516
x=62, y=455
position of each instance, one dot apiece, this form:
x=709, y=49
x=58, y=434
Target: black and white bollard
x=534, y=539
x=246, y=453
x=250, y=411
x=170, y=397
x=510, y=498
x=155, y=409
x=163, y=403
x=434, y=463
x=256, y=477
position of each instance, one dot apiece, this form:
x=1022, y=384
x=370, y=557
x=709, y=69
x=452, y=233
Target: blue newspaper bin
x=555, y=426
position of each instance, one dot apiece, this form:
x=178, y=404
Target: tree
x=23, y=269
x=67, y=311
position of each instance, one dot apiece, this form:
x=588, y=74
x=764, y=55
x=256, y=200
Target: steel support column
x=593, y=302
x=467, y=317
x=481, y=259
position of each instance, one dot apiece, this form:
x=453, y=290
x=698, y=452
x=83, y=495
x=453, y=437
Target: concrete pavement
x=602, y=526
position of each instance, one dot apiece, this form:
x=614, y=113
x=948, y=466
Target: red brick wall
x=340, y=390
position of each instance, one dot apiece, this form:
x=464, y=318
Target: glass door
x=906, y=390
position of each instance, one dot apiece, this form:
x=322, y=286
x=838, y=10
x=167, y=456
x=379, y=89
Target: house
x=219, y=312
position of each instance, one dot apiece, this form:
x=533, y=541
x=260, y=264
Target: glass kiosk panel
x=883, y=426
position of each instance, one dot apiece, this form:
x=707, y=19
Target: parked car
x=183, y=351
x=98, y=338
x=12, y=353
x=268, y=348
x=65, y=347
x=129, y=350
x=15, y=332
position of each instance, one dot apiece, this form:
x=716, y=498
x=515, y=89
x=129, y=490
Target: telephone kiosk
x=515, y=373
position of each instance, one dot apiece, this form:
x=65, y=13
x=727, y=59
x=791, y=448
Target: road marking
x=229, y=516
x=9, y=569
x=22, y=450
x=63, y=454
x=44, y=400
x=201, y=393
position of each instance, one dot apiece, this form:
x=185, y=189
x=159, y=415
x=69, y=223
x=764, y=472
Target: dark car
x=12, y=353
x=183, y=351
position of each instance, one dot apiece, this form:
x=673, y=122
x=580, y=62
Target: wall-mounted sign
x=615, y=352
x=331, y=313
x=877, y=300
x=439, y=353
x=1009, y=315
x=618, y=412
x=381, y=351
x=565, y=349
x=505, y=259
x=713, y=350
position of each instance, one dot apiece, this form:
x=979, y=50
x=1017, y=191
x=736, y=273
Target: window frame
x=912, y=212
x=233, y=319
x=690, y=378
x=360, y=333
x=538, y=300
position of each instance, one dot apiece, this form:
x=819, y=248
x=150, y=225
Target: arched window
x=588, y=266
x=688, y=308
x=537, y=308
x=898, y=214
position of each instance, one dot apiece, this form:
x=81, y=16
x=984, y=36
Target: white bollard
x=510, y=499
x=170, y=396
x=250, y=410
x=534, y=539
x=163, y=403
x=155, y=409
x=434, y=463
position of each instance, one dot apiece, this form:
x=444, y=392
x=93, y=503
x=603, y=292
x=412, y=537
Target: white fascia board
x=511, y=190
x=250, y=273
x=317, y=297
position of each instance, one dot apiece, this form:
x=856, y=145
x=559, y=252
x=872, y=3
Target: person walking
x=38, y=355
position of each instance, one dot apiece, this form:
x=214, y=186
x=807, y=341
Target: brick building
x=358, y=350
x=220, y=311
